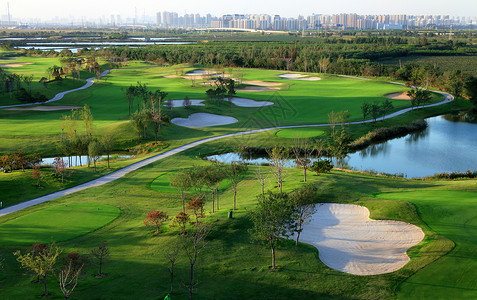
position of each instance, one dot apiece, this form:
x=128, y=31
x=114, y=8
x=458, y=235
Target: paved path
x=59, y=96
x=120, y=173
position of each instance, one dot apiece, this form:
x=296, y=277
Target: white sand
x=44, y=108
x=251, y=88
x=398, y=96
x=262, y=83
x=200, y=73
x=14, y=65
x=204, y=120
x=242, y=102
x=350, y=242
x=180, y=103
x=298, y=77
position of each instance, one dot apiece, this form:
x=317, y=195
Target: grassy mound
x=451, y=214
x=306, y=132
x=57, y=223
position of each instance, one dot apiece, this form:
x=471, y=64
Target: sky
x=46, y=9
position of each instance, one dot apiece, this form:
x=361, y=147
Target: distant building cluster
x=313, y=22
x=167, y=19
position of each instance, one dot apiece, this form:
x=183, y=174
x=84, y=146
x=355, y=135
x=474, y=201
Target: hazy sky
x=46, y=9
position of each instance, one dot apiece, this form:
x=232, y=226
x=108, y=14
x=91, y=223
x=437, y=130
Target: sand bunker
x=171, y=76
x=14, y=65
x=350, y=242
x=44, y=108
x=298, y=77
x=398, y=96
x=201, y=73
x=242, y=102
x=204, y=120
x=180, y=103
x=251, y=88
x=262, y=83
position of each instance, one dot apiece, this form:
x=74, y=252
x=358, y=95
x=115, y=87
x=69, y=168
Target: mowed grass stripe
x=58, y=223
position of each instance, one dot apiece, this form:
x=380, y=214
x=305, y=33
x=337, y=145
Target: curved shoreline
x=120, y=173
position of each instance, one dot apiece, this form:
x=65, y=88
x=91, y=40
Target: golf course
x=107, y=201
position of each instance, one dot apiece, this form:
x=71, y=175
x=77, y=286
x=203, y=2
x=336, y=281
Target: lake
x=447, y=145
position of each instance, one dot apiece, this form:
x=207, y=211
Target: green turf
x=58, y=223
x=299, y=132
x=451, y=214
x=162, y=184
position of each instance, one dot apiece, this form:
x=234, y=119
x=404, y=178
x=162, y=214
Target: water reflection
x=462, y=116
x=375, y=150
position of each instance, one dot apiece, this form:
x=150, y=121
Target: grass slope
x=57, y=223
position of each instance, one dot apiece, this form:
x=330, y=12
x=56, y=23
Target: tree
x=107, y=144
x=261, y=177
x=304, y=208
x=20, y=159
x=60, y=167
x=303, y=154
x=169, y=104
x=235, y=173
x=324, y=63
x=171, y=253
x=156, y=119
x=41, y=264
x=94, y=151
x=68, y=279
x=277, y=157
x=186, y=103
x=273, y=218
x=386, y=106
x=375, y=111
x=196, y=205
x=365, y=109
x=87, y=117
x=193, y=243
x=321, y=166
x=181, y=220
x=130, y=95
x=102, y=254
x=156, y=218
x=182, y=181
x=138, y=123
x=36, y=174
x=339, y=147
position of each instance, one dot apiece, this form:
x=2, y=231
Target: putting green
x=306, y=132
x=57, y=223
x=451, y=214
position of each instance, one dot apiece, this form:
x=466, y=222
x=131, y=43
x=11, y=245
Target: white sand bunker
x=44, y=108
x=180, y=103
x=350, y=242
x=252, y=88
x=262, y=83
x=204, y=120
x=243, y=102
x=398, y=96
x=298, y=77
x=18, y=65
x=201, y=73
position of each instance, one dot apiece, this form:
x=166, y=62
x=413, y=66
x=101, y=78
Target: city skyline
x=45, y=10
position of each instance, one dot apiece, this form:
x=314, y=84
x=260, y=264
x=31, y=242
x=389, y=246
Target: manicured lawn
x=162, y=184
x=299, y=132
x=451, y=214
x=57, y=223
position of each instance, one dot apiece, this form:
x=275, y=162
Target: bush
x=321, y=166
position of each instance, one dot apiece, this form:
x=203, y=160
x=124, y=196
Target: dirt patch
x=14, y=65
x=349, y=241
x=398, y=96
x=171, y=76
x=44, y=108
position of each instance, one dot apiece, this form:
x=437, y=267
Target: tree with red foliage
x=181, y=220
x=196, y=205
x=76, y=260
x=156, y=218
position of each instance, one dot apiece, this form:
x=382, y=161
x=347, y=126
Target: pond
x=75, y=161
x=447, y=145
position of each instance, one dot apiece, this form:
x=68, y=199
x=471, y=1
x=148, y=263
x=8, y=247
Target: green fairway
x=451, y=214
x=299, y=132
x=57, y=223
